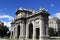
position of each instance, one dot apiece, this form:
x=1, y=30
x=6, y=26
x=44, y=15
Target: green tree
x=51, y=32
x=3, y=31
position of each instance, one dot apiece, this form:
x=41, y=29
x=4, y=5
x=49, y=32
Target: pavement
x=2, y=39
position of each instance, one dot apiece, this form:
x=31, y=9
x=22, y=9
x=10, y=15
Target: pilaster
x=42, y=35
x=47, y=30
x=16, y=31
x=34, y=31
x=27, y=29
x=23, y=30
x=11, y=34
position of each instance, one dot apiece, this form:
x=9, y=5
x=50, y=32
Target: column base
x=41, y=38
x=44, y=38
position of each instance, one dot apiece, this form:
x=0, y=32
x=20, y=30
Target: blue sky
x=8, y=8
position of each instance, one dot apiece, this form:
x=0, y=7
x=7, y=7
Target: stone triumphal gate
x=30, y=25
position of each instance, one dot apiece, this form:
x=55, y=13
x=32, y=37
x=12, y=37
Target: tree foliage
x=51, y=32
x=3, y=31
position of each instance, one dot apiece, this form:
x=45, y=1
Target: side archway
x=30, y=30
x=18, y=31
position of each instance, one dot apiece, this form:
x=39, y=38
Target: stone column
x=47, y=36
x=34, y=36
x=47, y=30
x=11, y=34
x=22, y=32
x=27, y=29
x=15, y=31
x=42, y=35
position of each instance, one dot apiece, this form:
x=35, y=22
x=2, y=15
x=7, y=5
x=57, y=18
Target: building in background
x=54, y=23
x=1, y=23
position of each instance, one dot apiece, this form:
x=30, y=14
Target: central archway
x=30, y=30
x=18, y=31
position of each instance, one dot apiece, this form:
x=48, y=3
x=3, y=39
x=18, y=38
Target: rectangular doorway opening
x=37, y=33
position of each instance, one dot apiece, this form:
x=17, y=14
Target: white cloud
x=52, y=5
x=50, y=17
x=7, y=23
x=6, y=16
x=57, y=15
